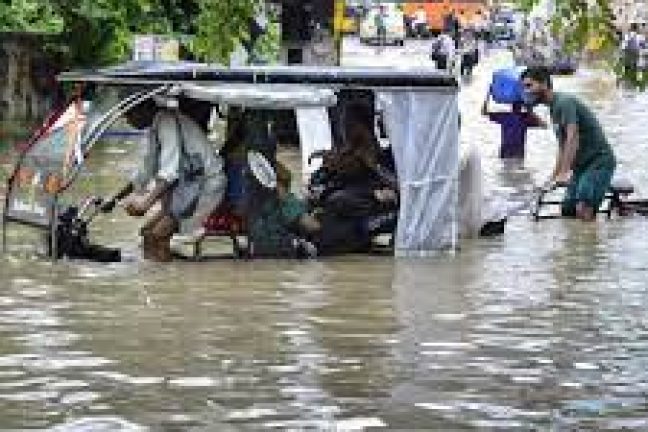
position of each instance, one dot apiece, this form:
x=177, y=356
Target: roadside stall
x=418, y=108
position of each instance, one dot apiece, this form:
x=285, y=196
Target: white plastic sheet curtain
x=315, y=135
x=423, y=128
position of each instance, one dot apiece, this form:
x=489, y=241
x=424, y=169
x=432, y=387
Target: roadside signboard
x=156, y=48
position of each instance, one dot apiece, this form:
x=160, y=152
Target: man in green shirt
x=585, y=161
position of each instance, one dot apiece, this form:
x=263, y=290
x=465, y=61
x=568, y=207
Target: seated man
x=187, y=177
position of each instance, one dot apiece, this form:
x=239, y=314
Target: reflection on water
x=542, y=329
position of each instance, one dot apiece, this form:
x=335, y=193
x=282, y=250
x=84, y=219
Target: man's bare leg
x=161, y=234
x=148, y=239
x=584, y=212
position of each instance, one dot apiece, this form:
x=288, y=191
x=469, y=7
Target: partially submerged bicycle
x=618, y=201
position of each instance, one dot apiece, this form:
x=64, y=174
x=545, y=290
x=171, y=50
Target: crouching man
x=183, y=174
x=585, y=161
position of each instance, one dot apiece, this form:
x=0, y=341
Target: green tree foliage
x=268, y=46
x=222, y=25
x=88, y=32
x=589, y=25
x=99, y=32
x=35, y=16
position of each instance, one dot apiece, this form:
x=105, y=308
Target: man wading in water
x=514, y=125
x=585, y=160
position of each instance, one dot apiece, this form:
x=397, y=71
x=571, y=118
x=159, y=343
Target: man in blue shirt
x=514, y=126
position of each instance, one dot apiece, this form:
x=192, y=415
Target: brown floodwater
x=544, y=328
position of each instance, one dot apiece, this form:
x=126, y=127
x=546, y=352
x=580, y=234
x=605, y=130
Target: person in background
x=451, y=28
x=445, y=52
x=469, y=54
x=631, y=47
x=585, y=161
x=642, y=62
x=456, y=31
x=514, y=125
x=488, y=36
x=381, y=25
x=420, y=22
x=410, y=28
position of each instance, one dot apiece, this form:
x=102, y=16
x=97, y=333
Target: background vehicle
x=466, y=11
x=394, y=23
x=508, y=23
x=502, y=31
x=417, y=26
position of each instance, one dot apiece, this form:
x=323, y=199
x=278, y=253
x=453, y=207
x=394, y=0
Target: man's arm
x=168, y=132
x=568, y=119
x=536, y=121
x=558, y=165
x=138, y=205
x=570, y=147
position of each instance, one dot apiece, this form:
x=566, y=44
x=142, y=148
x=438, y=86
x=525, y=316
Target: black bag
x=191, y=179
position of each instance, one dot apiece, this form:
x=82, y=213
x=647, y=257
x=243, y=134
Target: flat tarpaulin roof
x=269, y=96
x=138, y=73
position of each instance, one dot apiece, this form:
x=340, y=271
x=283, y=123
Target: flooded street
x=544, y=328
